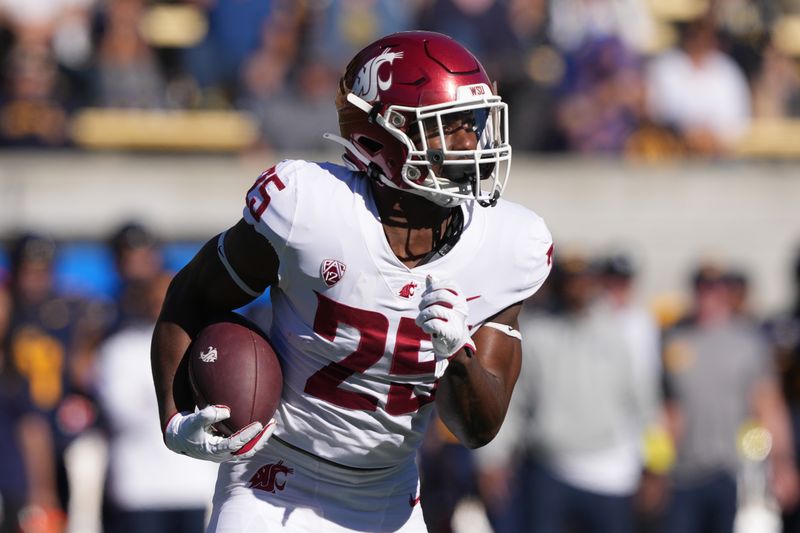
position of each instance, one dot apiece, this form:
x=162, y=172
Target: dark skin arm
x=475, y=390
x=201, y=290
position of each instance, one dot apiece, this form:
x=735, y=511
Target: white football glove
x=191, y=434
x=443, y=314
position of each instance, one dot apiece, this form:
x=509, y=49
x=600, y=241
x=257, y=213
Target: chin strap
x=492, y=202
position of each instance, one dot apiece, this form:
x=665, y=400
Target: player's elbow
x=478, y=438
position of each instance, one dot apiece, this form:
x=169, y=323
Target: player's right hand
x=191, y=434
x=443, y=315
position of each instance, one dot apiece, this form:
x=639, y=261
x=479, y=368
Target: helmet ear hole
x=371, y=145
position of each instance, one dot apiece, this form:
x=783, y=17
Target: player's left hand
x=443, y=314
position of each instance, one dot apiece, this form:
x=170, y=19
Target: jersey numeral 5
x=258, y=203
x=373, y=328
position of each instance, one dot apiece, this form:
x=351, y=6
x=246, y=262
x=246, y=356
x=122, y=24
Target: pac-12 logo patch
x=267, y=477
x=332, y=271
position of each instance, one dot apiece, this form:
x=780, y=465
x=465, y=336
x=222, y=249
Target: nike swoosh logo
x=470, y=298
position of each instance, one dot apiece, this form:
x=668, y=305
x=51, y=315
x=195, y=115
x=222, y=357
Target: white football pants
x=282, y=489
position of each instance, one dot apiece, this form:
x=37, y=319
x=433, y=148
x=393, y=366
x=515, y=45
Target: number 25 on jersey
x=373, y=328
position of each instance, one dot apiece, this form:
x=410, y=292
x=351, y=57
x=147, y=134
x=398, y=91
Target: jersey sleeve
x=271, y=204
x=534, y=256
x=519, y=257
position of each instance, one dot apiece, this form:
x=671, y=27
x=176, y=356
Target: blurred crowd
x=81, y=448
x=629, y=418
x=626, y=418
x=647, y=79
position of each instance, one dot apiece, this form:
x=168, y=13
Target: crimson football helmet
x=401, y=101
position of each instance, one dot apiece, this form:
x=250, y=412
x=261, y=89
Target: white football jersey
x=359, y=374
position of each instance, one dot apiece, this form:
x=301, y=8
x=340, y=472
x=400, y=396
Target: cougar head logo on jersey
x=332, y=271
x=368, y=80
x=266, y=478
x=408, y=290
x=210, y=356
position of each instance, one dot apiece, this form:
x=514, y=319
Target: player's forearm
x=471, y=401
x=170, y=342
x=181, y=314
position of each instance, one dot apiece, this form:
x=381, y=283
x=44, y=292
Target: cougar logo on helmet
x=368, y=82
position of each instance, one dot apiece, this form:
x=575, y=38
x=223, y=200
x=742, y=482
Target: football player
x=396, y=281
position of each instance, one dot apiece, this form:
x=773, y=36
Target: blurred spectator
x=739, y=287
x=602, y=97
x=235, y=32
x=165, y=493
x=617, y=278
x=49, y=40
x=776, y=87
x=127, y=74
x=577, y=415
x=62, y=25
x=700, y=91
x=784, y=332
x=576, y=21
x=264, y=72
x=42, y=339
x=27, y=473
x=290, y=78
x=136, y=255
x=745, y=27
x=138, y=260
x=305, y=104
x=719, y=377
x=32, y=112
x=529, y=76
x=337, y=29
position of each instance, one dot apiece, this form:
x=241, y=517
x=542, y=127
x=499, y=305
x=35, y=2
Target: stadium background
x=164, y=112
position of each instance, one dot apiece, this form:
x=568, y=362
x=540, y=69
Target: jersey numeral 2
x=373, y=328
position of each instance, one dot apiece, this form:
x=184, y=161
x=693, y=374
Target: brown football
x=231, y=363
